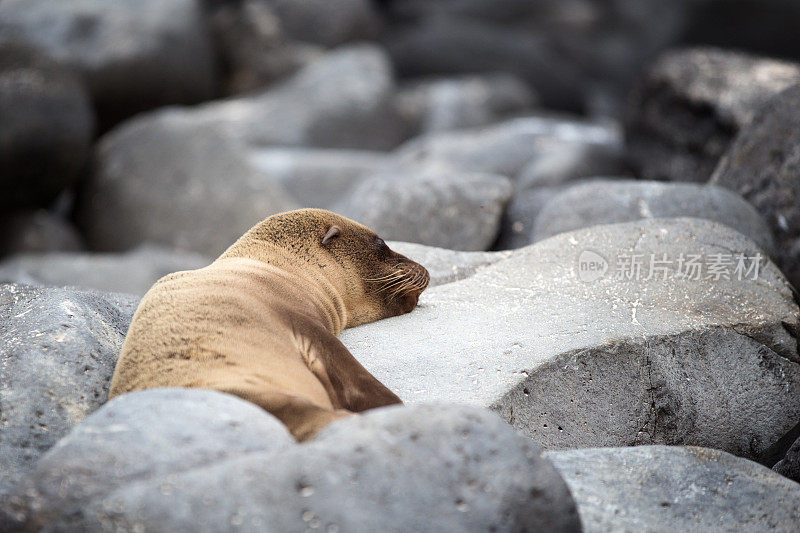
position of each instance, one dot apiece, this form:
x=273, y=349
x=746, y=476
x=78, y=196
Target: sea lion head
x=374, y=281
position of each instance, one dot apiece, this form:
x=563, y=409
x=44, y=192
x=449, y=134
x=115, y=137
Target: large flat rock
x=179, y=460
x=666, y=489
x=606, y=362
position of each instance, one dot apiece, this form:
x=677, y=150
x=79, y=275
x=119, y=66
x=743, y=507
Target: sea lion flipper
x=303, y=418
x=350, y=385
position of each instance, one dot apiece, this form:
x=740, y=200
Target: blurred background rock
x=180, y=123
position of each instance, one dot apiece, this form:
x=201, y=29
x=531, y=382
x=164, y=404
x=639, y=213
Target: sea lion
x=261, y=322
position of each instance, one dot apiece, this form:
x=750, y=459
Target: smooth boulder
x=163, y=179
x=458, y=211
x=508, y=147
x=516, y=227
x=663, y=489
x=316, y=177
x=58, y=348
x=132, y=272
x=763, y=166
x=46, y=127
x=345, y=99
x=691, y=103
x=134, y=54
x=574, y=357
x=157, y=460
x=608, y=202
x=439, y=104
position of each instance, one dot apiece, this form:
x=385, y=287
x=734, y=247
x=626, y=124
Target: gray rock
x=663, y=489
x=37, y=231
x=458, y=211
x=131, y=272
x=607, y=202
x=253, y=49
x=343, y=100
x=134, y=54
x=516, y=227
x=608, y=362
x=440, y=104
x=566, y=162
x=789, y=465
x=690, y=105
x=58, y=348
x=316, y=177
x=46, y=127
x=162, y=178
x=447, y=266
x=505, y=148
x=454, y=45
x=566, y=51
x=327, y=22
x=157, y=459
x=762, y=165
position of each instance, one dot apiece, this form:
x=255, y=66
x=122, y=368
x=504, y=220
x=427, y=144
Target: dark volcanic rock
x=58, y=348
x=252, y=47
x=327, y=22
x=663, y=489
x=454, y=45
x=157, y=460
x=46, y=127
x=568, y=51
x=789, y=465
x=37, y=231
x=134, y=54
x=690, y=105
x=763, y=165
x=162, y=178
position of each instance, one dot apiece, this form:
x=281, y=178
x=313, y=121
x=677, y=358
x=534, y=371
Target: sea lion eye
x=333, y=231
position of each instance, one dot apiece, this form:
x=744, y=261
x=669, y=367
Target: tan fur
x=261, y=321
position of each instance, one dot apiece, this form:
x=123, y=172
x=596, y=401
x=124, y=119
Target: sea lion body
x=261, y=321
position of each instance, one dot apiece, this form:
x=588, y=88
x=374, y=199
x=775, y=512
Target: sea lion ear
x=333, y=231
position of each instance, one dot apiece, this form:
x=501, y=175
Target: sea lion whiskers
x=390, y=275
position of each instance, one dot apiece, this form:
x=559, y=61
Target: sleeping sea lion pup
x=261, y=321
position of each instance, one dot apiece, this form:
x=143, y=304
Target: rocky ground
x=606, y=196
